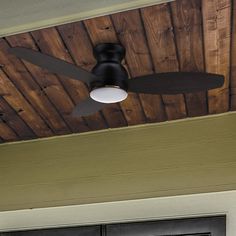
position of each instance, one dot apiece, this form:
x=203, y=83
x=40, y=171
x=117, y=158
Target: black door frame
x=214, y=226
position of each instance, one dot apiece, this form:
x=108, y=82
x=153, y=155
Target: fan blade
x=53, y=64
x=88, y=107
x=175, y=82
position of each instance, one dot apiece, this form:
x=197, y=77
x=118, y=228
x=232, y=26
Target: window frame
x=214, y=226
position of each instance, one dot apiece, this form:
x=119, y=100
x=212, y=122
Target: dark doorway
x=206, y=226
x=209, y=226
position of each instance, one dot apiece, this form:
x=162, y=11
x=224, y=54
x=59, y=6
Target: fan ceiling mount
x=109, y=82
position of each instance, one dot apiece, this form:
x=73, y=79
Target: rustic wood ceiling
x=185, y=35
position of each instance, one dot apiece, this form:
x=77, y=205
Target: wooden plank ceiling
x=185, y=35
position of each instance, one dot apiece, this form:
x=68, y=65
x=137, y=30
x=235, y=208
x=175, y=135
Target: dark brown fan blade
x=175, y=82
x=53, y=64
x=88, y=107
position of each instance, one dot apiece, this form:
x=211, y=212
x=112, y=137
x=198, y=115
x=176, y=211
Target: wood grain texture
x=25, y=110
x=101, y=30
x=159, y=30
x=50, y=42
x=6, y=133
x=233, y=60
x=186, y=15
x=217, y=31
x=183, y=35
x=13, y=120
x=50, y=85
x=131, y=34
x=81, y=49
x=16, y=70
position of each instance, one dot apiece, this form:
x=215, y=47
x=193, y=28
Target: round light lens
x=108, y=94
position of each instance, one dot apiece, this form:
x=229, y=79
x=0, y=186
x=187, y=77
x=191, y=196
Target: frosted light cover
x=108, y=94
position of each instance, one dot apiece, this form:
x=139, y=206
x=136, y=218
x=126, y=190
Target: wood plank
x=233, y=60
x=13, y=120
x=6, y=133
x=51, y=86
x=78, y=43
x=169, y=158
x=216, y=22
x=187, y=21
x=130, y=32
x=50, y=42
x=101, y=30
x=23, y=108
x=17, y=72
x=159, y=31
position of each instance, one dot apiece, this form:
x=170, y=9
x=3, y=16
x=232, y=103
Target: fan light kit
x=108, y=94
x=108, y=81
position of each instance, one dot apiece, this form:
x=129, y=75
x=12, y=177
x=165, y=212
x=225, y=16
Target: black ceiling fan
x=109, y=83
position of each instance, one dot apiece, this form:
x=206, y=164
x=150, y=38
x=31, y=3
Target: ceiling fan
x=109, y=83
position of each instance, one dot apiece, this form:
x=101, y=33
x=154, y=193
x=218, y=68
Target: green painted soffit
x=181, y=157
x=27, y=15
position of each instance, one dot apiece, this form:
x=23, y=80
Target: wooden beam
x=217, y=32
x=170, y=158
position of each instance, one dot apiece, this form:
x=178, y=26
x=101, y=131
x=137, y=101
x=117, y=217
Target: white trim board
x=125, y=211
x=27, y=15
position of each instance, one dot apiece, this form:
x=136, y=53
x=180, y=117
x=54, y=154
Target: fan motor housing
x=109, y=68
